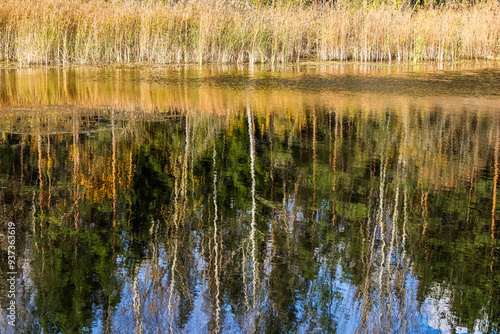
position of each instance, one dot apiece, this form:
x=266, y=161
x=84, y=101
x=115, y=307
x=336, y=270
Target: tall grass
x=95, y=31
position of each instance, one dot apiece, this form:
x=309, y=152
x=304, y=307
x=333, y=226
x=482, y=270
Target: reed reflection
x=313, y=218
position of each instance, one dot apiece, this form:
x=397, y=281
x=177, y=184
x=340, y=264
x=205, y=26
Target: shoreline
x=95, y=32
x=437, y=65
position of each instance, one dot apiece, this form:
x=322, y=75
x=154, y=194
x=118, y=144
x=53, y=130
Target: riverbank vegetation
x=95, y=31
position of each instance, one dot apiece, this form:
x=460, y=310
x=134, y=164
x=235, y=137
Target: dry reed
x=94, y=31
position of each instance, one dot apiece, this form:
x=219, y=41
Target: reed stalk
x=96, y=31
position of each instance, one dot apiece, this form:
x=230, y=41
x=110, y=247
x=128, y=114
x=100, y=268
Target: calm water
x=313, y=199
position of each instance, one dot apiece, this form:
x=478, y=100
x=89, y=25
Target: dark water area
x=314, y=199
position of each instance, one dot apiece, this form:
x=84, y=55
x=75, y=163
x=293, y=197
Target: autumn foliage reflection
x=254, y=212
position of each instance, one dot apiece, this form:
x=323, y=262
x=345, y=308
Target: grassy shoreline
x=98, y=32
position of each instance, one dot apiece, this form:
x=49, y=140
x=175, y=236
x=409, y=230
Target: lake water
x=327, y=198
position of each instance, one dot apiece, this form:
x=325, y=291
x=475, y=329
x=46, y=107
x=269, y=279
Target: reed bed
x=95, y=32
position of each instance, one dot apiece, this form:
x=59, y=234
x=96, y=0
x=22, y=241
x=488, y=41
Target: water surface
x=322, y=198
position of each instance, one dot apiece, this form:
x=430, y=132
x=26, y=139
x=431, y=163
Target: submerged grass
x=95, y=31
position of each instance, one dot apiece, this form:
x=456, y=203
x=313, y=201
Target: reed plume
x=96, y=31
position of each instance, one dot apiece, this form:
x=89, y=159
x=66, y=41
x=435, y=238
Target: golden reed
x=95, y=31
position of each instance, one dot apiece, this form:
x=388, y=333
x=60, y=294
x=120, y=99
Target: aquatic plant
x=96, y=31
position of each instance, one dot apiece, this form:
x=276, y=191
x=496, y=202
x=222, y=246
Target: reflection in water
x=254, y=213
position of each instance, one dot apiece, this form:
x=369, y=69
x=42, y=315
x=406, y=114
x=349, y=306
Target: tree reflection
x=324, y=219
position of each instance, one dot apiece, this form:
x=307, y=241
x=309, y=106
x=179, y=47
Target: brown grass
x=94, y=31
